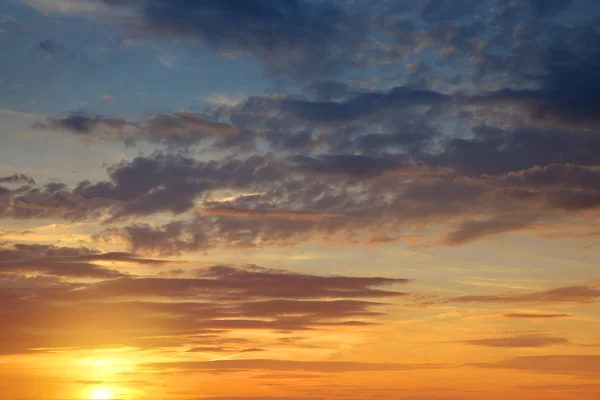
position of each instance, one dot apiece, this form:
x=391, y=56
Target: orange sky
x=181, y=330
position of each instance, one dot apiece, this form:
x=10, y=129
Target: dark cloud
x=50, y=48
x=404, y=121
x=303, y=36
x=559, y=58
x=170, y=238
x=17, y=178
x=160, y=183
x=349, y=194
x=361, y=122
x=64, y=261
x=329, y=90
x=84, y=125
x=445, y=10
x=531, y=340
x=233, y=212
x=294, y=199
x=361, y=105
x=549, y=7
x=351, y=165
x=182, y=129
x=558, y=107
x=55, y=200
x=496, y=151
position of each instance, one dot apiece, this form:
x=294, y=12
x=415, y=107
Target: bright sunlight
x=101, y=393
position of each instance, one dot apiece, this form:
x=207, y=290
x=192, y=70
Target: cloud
x=299, y=37
x=521, y=341
x=341, y=198
x=353, y=198
x=535, y=316
x=402, y=120
x=470, y=231
x=287, y=365
x=285, y=124
x=444, y=10
x=577, y=365
x=17, y=178
x=550, y=7
x=568, y=294
x=50, y=49
x=64, y=261
x=222, y=99
x=223, y=282
x=67, y=6
x=264, y=214
x=361, y=105
x=149, y=185
x=195, y=311
x=352, y=165
x=54, y=200
x=182, y=128
x=496, y=151
x=84, y=125
x=221, y=350
x=447, y=124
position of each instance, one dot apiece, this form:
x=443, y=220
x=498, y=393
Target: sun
x=101, y=393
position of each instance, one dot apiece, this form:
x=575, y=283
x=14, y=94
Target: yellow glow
x=101, y=393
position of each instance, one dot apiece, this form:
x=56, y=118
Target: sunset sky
x=299, y=199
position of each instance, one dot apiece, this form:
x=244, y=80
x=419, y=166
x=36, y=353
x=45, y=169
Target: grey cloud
x=494, y=151
x=178, y=129
x=361, y=105
x=329, y=90
x=84, y=125
x=149, y=185
x=316, y=33
x=444, y=10
x=50, y=48
x=17, y=178
x=55, y=200
x=348, y=194
x=350, y=165
x=63, y=261
x=344, y=195
x=549, y=7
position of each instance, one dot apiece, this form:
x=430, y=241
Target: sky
x=299, y=199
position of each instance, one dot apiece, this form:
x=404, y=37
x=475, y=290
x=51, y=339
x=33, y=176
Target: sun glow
x=101, y=393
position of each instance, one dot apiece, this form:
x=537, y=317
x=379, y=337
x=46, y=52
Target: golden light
x=101, y=393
